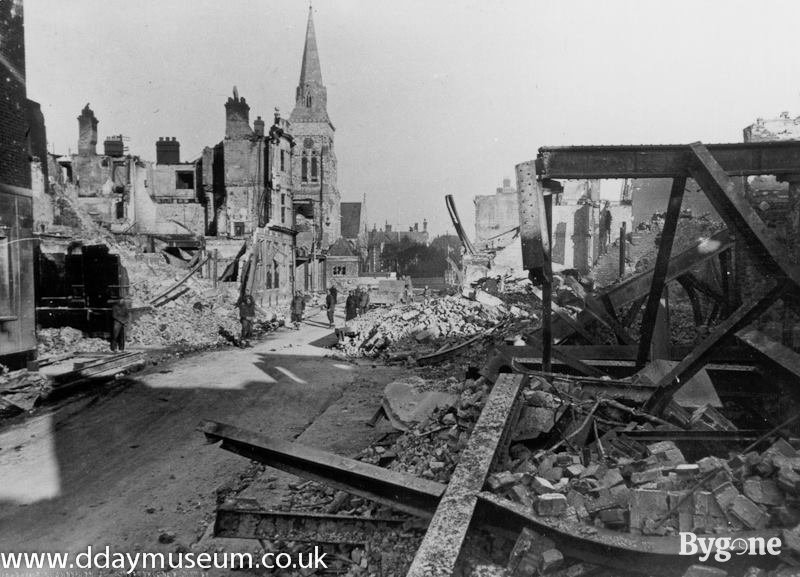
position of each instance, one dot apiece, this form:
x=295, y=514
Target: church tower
x=314, y=160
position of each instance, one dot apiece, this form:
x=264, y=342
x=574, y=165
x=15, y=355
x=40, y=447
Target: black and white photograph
x=370, y=288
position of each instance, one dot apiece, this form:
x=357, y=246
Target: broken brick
x=725, y=494
x=763, y=492
x=552, y=559
x=551, y=504
x=789, y=481
x=500, y=481
x=646, y=505
x=520, y=494
x=614, y=518
x=611, y=478
x=750, y=514
x=540, y=486
x=660, y=447
x=648, y=476
x=574, y=470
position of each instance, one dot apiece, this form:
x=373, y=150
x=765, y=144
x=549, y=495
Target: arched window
x=308, y=100
x=276, y=266
x=304, y=168
x=314, y=175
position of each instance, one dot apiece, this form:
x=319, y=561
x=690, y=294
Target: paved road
x=119, y=467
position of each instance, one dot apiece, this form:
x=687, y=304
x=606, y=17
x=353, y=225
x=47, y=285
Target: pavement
x=122, y=465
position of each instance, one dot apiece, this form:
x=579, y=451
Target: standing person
x=350, y=307
x=298, y=307
x=120, y=315
x=605, y=227
x=363, y=301
x=247, y=314
x=330, y=305
x=335, y=293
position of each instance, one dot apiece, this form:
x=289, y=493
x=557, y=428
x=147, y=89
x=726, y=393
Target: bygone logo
x=723, y=547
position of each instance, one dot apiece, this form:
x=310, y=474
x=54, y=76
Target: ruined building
x=317, y=198
x=247, y=184
x=17, y=313
x=576, y=229
x=127, y=194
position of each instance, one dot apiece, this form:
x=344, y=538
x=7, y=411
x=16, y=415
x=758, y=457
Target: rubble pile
x=644, y=489
x=20, y=390
x=67, y=340
x=202, y=316
x=419, y=327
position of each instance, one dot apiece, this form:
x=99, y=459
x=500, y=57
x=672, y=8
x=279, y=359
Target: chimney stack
x=258, y=125
x=237, y=117
x=87, y=132
x=168, y=150
x=114, y=146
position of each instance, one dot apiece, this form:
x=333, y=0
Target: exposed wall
x=17, y=312
x=342, y=271
x=14, y=168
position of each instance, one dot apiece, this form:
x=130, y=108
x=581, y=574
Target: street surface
x=121, y=465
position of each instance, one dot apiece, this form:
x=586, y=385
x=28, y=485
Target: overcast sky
x=428, y=97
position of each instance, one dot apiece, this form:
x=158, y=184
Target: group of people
x=356, y=303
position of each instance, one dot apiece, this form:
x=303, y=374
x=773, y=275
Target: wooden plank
x=660, y=270
x=689, y=366
x=441, y=546
x=776, y=352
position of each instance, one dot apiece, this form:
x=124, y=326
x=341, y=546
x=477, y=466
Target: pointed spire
x=311, y=70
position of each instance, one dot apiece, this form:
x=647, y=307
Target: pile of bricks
x=659, y=494
x=418, y=327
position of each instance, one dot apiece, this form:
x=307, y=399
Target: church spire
x=311, y=99
x=311, y=70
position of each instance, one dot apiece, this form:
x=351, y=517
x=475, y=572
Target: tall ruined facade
x=317, y=198
x=17, y=313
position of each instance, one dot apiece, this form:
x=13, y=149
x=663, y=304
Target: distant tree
x=407, y=257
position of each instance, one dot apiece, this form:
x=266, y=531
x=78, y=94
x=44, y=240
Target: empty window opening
x=184, y=180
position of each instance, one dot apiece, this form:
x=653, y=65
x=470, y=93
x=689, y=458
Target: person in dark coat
x=247, y=314
x=605, y=228
x=351, y=307
x=120, y=315
x=335, y=293
x=330, y=305
x=363, y=301
x=298, y=308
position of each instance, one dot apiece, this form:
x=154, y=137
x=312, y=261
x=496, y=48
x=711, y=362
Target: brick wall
x=14, y=166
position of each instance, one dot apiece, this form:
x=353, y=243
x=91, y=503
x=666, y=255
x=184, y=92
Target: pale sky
x=428, y=97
